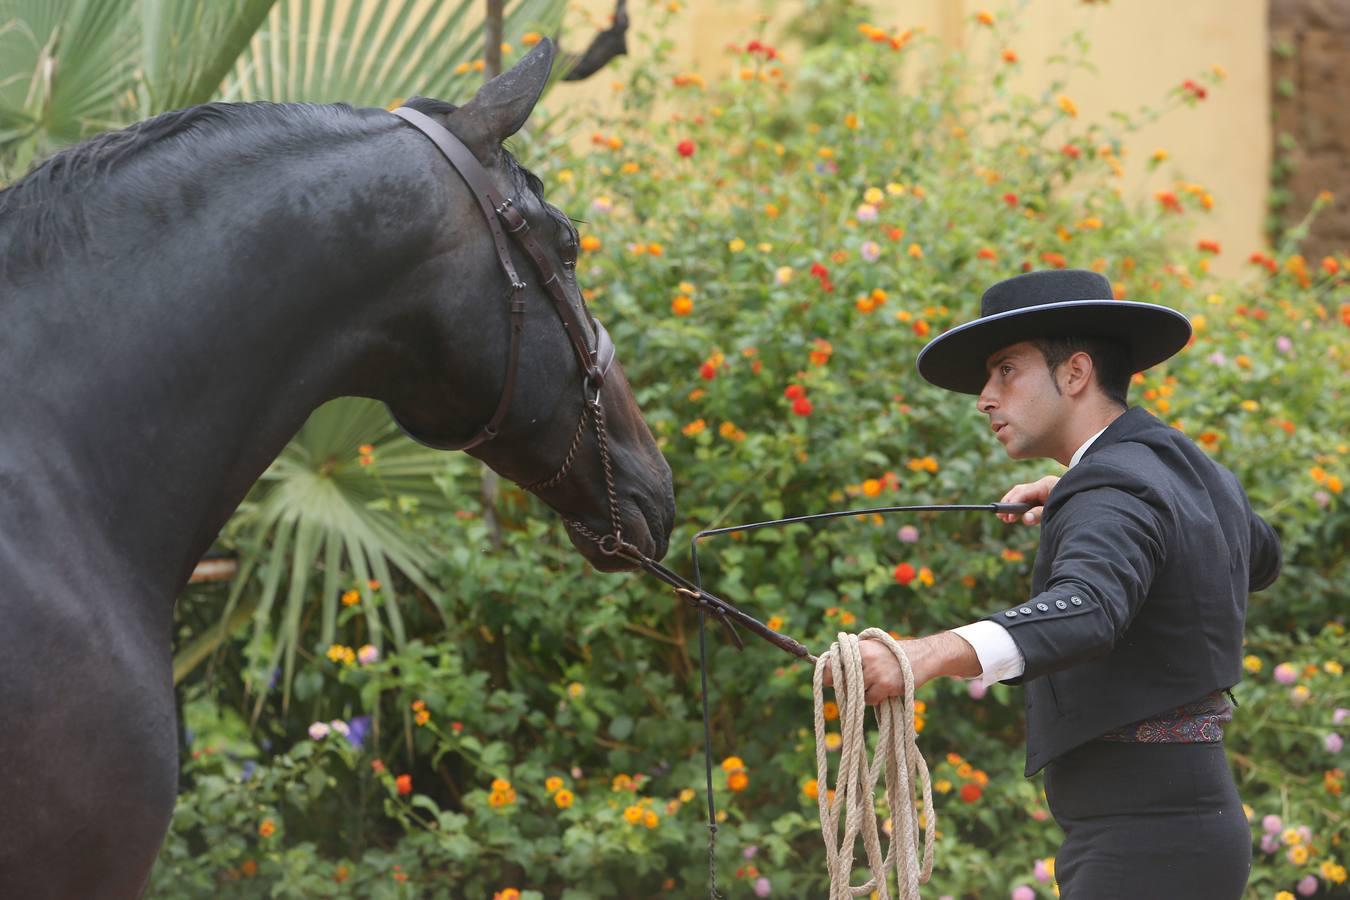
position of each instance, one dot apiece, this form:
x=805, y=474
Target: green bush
x=770, y=255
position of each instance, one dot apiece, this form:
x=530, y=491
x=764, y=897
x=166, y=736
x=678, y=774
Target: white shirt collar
x=1078, y=454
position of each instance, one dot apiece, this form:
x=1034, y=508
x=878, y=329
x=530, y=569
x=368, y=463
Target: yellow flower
x=650, y=819
x=736, y=245
x=1331, y=667
x=873, y=196
x=575, y=690
x=1067, y=105
x=563, y=798
x=686, y=795
x=926, y=576
x=267, y=828
x=1159, y=155
x=733, y=764
x=1298, y=855
x=553, y=784
x=1284, y=895
x=833, y=740
x=1252, y=664
x=633, y=814
x=422, y=717
x=915, y=251
x=1291, y=837
x=1250, y=405
x=351, y=598
x=942, y=786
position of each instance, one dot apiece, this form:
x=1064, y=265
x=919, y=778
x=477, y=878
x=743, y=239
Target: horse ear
x=502, y=105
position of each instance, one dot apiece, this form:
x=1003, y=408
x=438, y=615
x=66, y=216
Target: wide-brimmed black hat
x=1053, y=303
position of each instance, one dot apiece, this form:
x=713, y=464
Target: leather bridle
x=503, y=219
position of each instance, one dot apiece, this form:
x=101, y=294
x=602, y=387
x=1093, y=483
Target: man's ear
x=1077, y=373
x=502, y=105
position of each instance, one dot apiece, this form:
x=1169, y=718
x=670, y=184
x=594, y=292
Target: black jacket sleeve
x=1106, y=545
x=1266, y=555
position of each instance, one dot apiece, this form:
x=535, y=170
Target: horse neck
x=165, y=366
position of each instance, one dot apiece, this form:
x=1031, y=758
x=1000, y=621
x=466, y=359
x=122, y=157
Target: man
x=1133, y=629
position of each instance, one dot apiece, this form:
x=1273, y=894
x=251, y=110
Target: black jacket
x=1139, y=593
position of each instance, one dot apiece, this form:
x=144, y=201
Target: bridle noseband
x=503, y=219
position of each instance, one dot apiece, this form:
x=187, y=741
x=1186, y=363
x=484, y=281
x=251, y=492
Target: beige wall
x=1141, y=49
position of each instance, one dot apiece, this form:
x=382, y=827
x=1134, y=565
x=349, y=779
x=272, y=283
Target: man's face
x=1024, y=408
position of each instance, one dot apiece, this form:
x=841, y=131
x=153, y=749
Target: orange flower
x=404, y=784
x=563, y=798
x=590, y=242
x=681, y=305
x=738, y=781
x=1009, y=56
x=984, y=17
x=267, y=828
x=811, y=788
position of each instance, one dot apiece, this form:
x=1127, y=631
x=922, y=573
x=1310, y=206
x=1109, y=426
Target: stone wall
x=1310, y=102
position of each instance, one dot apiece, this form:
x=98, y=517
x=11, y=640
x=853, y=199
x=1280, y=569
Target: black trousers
x=1161, y=821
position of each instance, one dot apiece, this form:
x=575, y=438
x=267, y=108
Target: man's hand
x=1035, y=493
x=938, y=654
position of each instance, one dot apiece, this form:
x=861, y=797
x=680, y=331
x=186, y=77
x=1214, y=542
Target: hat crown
x=1040, y=288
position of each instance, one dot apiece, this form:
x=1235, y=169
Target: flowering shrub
x=770, y=255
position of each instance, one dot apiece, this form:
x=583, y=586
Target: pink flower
x=977, y=690
x=1272, y=824
x=869, y=251
x=1283, y=344
x=1285, y=673
x=908, y=534
x=1322, y=498
x=1333, y=742
x=1022, y=892
x=866, y=212
x=318, y=731
x=762, y=886
x=368, y=654
x=1307, y=886
x=1042, y=871
x=1340, y=715
x=749, y=852
x=1270, y=843
x=1218, y=358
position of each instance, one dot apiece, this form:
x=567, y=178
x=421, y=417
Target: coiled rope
x=854, y=796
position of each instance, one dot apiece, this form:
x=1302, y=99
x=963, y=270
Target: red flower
x=707, y=371
x=904, y=573
x=685, y=148
x=1010, y=198
x=1196, y=90
x=794, y=391
x=753, y=47
x=987, y=253
x=404, y=784
x=1208, y=246
x=1071, y=151
x=377, y=766
x=819, y=271
x=801, y=406
x=970, y=792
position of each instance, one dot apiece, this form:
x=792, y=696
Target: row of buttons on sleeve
x=1041, y=607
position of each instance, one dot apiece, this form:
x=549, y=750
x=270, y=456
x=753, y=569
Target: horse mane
x=46, y=210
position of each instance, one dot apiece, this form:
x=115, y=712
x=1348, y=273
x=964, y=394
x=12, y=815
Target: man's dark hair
x=1110, y=361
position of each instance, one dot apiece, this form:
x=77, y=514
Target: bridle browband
x=503, y=219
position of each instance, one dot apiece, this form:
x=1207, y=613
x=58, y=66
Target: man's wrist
x=947, y=654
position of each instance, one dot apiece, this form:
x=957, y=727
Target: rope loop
x=854, y=797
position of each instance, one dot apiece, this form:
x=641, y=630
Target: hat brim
x=956, y=359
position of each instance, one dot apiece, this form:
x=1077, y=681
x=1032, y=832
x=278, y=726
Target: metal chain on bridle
x=861, y=777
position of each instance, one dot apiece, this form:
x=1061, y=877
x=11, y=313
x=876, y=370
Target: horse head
x=535, y=391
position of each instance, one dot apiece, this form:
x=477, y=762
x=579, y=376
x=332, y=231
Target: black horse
x=175, y=299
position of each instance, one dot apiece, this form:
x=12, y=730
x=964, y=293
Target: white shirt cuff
x=996, y=650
